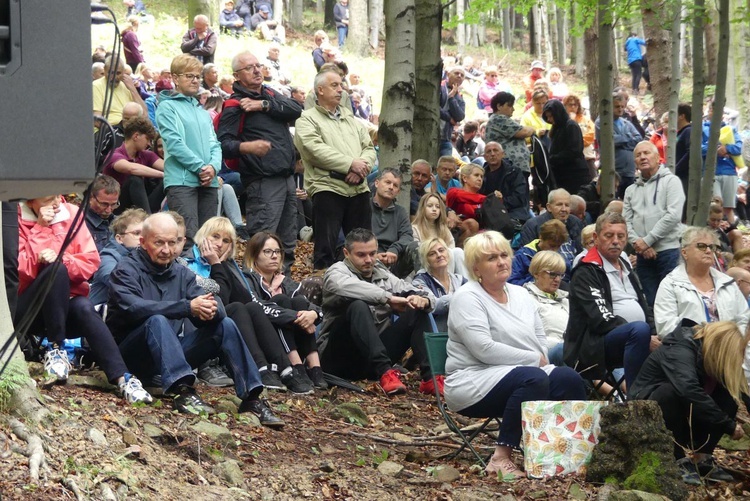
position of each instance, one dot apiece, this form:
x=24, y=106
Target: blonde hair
x=481, y=245
x=439, y=227
x=546, y=260
x=467, y=169
x=586, y=233
x=426, y=246
x=216, y=224
x=553, y=232
x=723, y=354
x=185, y=62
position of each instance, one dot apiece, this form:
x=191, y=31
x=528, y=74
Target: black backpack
x=494, y=216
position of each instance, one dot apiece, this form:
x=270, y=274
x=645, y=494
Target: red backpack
x=231, y=163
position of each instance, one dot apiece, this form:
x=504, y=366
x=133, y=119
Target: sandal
x=506, y=467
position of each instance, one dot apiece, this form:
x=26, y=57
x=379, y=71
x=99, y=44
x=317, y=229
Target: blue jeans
x=343, y=31
x=627, y=346
x=652, y=271
x=446, y=148
x=524, y=384
x=170, y=353
x=555, y=355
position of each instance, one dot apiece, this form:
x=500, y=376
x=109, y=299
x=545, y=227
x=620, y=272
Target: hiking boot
x=154, y=381
x=57, y=365
x=132, y=390
x=212, y=374
x=298, y=382
x=263, y=411
x=271, y=380
x=391, y=383
x=242, y=233
x=711, y=471
x=428, y=387
x=689, y=472
x=188, y=402
x=316, y=376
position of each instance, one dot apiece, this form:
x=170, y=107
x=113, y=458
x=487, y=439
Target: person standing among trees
x=341, y=16
x=637, y=61
x=452, y=108
x=200, y=42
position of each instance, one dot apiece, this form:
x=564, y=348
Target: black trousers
x=64, y=317
x=293, y=337
x=676, y=410
x=10, y=253
x=146, y=194
x=636, y=69
x=259, y=334
x=331, y=214
x=356, y=351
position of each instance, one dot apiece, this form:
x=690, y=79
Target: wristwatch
x=265, y=105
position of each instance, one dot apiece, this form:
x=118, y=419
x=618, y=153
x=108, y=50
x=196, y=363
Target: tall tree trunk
x=562, y=30
x=658, y=53
x=718, y=111
x=376, y=16
x=740, y=64
x=674, y=84
x=712, y=43
x=328, y=20
x=545, y=31
x=507, y=29
x=319, y=6
x=357, y=41
x=551, y=35
x=208, y=8
x=295, y=19
x=428, y=71
x=397, y=117
x=696, y=133
x=685, y=45
x=461, y=28
x=606, y=131
x=591, y=52
x=278, y=10
x=536, y=29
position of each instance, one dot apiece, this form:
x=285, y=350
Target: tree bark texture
x=562, y=35
x=278, y=10
x=696, y=133
x=461, y=28
x=428, y=72
x=740, y=64
x=656, y=17
x=591, y=53
x=605, y=68
x=397, y=116
x=376, y=17
x=712, y=43
x=507, y=29
x=674, y=84
x=295, y=17
x=357, y=41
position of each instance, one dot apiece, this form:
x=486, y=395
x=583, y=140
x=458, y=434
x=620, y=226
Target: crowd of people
x=541, y=289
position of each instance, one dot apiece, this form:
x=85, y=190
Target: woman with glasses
x=491, y=86
x=548, y=269
x=695, y=290
x=263, y=270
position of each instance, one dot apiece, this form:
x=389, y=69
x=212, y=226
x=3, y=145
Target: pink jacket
x=81, y=257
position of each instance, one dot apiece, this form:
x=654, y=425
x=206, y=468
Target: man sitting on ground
x=421, y=175
x=358, y=337
x=502, y=176
x=558, y=207
x=105, y=198
x=391, y=225
x=269, y=29
x=150, y=301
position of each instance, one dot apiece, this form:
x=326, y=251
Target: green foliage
x=13, y=378
x=646, y=474
x=379, y=458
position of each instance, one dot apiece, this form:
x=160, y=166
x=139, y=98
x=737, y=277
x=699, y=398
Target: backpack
x=231, y=163
x=494, y=216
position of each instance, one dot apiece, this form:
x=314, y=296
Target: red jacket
x=81, y=257
x=465, y=203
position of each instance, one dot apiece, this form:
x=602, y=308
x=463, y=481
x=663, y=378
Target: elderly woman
x=263, y=263
x=548, y=268
x=436, y=259
x=466, y=200
x=696, y=378
x=497, y=349
x=695, y=290
x=213, y=257
x=552, y=236
x=558, y=88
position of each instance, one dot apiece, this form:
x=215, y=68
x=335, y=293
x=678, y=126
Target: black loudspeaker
x=46, y=104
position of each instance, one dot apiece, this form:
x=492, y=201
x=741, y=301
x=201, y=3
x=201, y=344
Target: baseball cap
x=537, y=64
x=264, y=8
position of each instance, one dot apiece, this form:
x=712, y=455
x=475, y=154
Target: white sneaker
x=56, y=364
x=132, y=390
x=306, y=233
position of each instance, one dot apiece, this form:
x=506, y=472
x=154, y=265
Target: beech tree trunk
x=376, y=17
x=357, y=41
x=658, y=53
x=397, y=116
x=739, y=66
x=562, y=30
x=674, y=84
x=507, y=29
x=696, y=133
x=606, y=70
x=428, y=72
x=712, y=44
x=461, y=28
x=278, y=10
x=295, y=18
x=591, y=53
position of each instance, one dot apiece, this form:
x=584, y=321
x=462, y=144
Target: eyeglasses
x=250, y=67
x=105, y=204
x=135, y=233
x=702, y=247
x=190, y=76
x=554, y=274
x=271, y=252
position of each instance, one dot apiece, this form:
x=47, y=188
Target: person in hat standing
x=269, y=29
x=536, y=72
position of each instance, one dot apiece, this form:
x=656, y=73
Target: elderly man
x=610, y=325
x=105, y=198
x=452, y=108
x=338, y=154
x=200, y=42
x=257, y=132
x=421, y=176
x=578, y=209
x=122, y=90
x=501, y=176
x=653, y=210
x=742, y=278
x=626, y=137
x=558, y=207
x=150, y=301
x=269, y=29
x=359, y=337
x=211, y=80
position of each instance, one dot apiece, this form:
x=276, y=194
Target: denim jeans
x=555, y=355
x=628, y=346
x=652, y=271
x=446, y=148
x=343, y=32
x=524, y=384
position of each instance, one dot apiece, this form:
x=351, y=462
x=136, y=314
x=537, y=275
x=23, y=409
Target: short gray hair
x=322, y=77
x=609, y=218
x=693, y=233
x=554, y=194
x=236, y=59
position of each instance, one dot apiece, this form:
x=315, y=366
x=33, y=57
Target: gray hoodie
x=653, y=210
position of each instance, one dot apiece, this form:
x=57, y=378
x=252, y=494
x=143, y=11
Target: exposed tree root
x=70, y=484
x=25, y=402
x=34, y=451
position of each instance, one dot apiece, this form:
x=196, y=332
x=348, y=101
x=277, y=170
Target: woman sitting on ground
x=263, y=262
x=497, y=349
x=435, y=276
x=552, y=236
x=696, y=378
x=695, y=290
x=213, y=257
x=467, y=199
x=431, y=221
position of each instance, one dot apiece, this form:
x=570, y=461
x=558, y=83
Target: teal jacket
x=189, y=140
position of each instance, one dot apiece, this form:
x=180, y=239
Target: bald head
x=646, y=158
x=131, y=110
x=159, y=238
x=578, y=207
x=614, y=206
x=742, y=278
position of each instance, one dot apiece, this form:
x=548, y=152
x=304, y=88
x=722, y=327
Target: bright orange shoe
x=391, y=383
x=428, y=387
